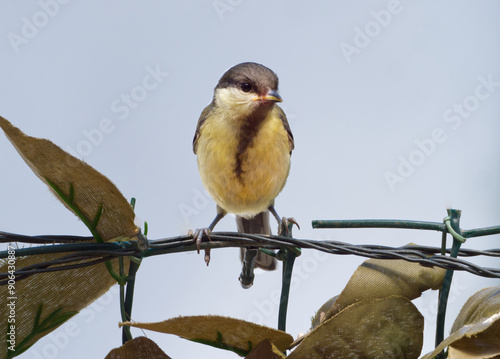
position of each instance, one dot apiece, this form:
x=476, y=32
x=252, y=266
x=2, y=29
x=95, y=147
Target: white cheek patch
x=231, y=97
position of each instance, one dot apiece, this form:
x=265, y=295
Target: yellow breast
x=264, y=164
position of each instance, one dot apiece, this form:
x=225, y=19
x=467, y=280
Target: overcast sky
x=394, y=106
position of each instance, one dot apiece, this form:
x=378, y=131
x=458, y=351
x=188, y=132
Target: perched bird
x=243, y=144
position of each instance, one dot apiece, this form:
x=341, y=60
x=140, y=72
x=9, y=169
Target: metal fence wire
x=81, y=251
x=79, y=248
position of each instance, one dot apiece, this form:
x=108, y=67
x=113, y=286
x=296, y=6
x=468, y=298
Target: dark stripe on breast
x=249, y=129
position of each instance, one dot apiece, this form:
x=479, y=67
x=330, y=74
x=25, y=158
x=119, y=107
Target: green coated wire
x=288, y=254
x=458, y=237
x=452, y=222
x=126, y=334
x=126, y=297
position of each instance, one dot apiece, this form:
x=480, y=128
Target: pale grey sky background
x=394, y=105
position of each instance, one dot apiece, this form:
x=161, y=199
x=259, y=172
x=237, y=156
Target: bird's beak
x=270, y=96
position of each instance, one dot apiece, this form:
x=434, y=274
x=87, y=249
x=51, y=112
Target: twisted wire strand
x=6, y=237
x=86, y=254
x=71, y=261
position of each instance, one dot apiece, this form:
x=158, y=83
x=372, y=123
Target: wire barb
x=94, y=253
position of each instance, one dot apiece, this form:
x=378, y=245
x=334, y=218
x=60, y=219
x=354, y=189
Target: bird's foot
x=198, y=237
x=283, y=229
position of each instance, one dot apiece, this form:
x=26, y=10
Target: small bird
x=243, y=144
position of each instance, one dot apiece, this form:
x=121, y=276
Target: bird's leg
x=283, y=223
x=198, y=233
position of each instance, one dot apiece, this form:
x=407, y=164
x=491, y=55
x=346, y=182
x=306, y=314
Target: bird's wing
x=283, y=119
x=204, y=115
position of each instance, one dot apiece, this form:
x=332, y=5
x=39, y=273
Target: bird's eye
x=245, y=87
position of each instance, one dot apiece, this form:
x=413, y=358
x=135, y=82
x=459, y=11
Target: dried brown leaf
x=386, y=328
x=68, y=291
x=90, y=189
x=138, y=348
x=238, y=335
x=476, y=331
x=378, y=278
x=265, y=350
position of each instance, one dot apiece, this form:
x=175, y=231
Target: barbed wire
x=84, y=252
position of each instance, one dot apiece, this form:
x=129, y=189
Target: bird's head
x=246, y=88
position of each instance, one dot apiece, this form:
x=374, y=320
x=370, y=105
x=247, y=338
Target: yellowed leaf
x=476, y=331
x=138, y=348
x=58, y=295
x=378, y=278
x=482, y=305
x=67, y=291
x=386, y=328
x=223, y=332
x=89, y=189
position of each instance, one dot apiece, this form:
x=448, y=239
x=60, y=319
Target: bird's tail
x=252, y=258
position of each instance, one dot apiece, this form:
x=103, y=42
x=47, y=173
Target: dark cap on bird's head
x=254, y=78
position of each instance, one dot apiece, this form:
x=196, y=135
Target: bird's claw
x=198, y=237
x=284, y=225
x=207, y=256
